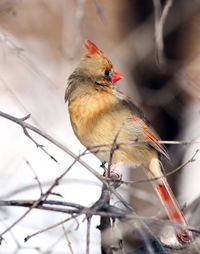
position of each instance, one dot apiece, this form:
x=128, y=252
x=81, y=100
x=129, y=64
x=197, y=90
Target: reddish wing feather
x=152, y=137
x=92, y=48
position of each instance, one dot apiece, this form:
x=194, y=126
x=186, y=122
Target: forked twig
x=51, y=227
x=43, y=196
x=35, y=176
x=64, y=148
x=104, y=180
x=192, y=159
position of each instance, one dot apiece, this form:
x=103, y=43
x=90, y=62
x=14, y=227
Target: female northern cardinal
x=99, y=113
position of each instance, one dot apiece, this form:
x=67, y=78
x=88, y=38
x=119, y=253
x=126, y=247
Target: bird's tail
x=168, y=199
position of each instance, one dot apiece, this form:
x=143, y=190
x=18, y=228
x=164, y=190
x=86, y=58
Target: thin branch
x=64, y=148
x=45, y=183
x=43, y=197
x=110, y=211
x=114, y=147
x=105, y=222
x=51, y=227
x=27, y=203
x=23, y=124
x=59, y=206
x=35, y=176
x=136, y=142
x=102, y=209
x=192, y=159
x=33, y=140
x=88, y=235
x=67, y=239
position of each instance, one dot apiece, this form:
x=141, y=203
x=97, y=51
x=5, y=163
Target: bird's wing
x=140, y=122
x=152, y=137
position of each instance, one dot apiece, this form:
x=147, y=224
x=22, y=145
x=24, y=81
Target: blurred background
x=40, y=45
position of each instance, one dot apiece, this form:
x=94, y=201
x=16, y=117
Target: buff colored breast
x=88, y=115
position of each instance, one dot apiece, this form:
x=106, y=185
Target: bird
x=100, y=114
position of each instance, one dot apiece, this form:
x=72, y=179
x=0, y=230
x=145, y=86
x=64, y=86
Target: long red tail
x=173, y=210
x=169, y=201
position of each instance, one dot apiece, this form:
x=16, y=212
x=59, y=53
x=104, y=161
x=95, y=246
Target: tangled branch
x=101, y=207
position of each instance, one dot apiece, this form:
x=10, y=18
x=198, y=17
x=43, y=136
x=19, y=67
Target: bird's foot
x=114, y=175
x=185, y=236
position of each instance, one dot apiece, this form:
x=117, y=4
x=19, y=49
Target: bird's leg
x=115, y=175
x=168, y=200
x=114, y=170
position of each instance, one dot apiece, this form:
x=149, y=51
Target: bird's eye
x=107, y=73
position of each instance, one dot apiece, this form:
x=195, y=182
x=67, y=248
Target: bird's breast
x=88, y=117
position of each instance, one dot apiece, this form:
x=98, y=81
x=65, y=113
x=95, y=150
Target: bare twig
x=67, y=239
x=112, y=151
x=25, y=125
x=88, y=235
x=105, y=222
x=192, y=159
x=95, y=148
x=27, y=203
x=110, y=211
x=45, y=183
x=64, y=148
x=60, y=206
x=35, y=176
x=51, y=227
x=42, y=197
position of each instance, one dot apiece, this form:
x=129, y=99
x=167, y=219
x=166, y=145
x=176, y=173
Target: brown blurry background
x=40, y=44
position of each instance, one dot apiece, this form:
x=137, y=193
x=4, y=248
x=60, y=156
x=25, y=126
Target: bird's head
x=98, y=67
x=95, y=71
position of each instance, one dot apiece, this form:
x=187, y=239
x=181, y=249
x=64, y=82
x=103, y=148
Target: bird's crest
x=92, y=48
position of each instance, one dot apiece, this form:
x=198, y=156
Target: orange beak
x=116, y=76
